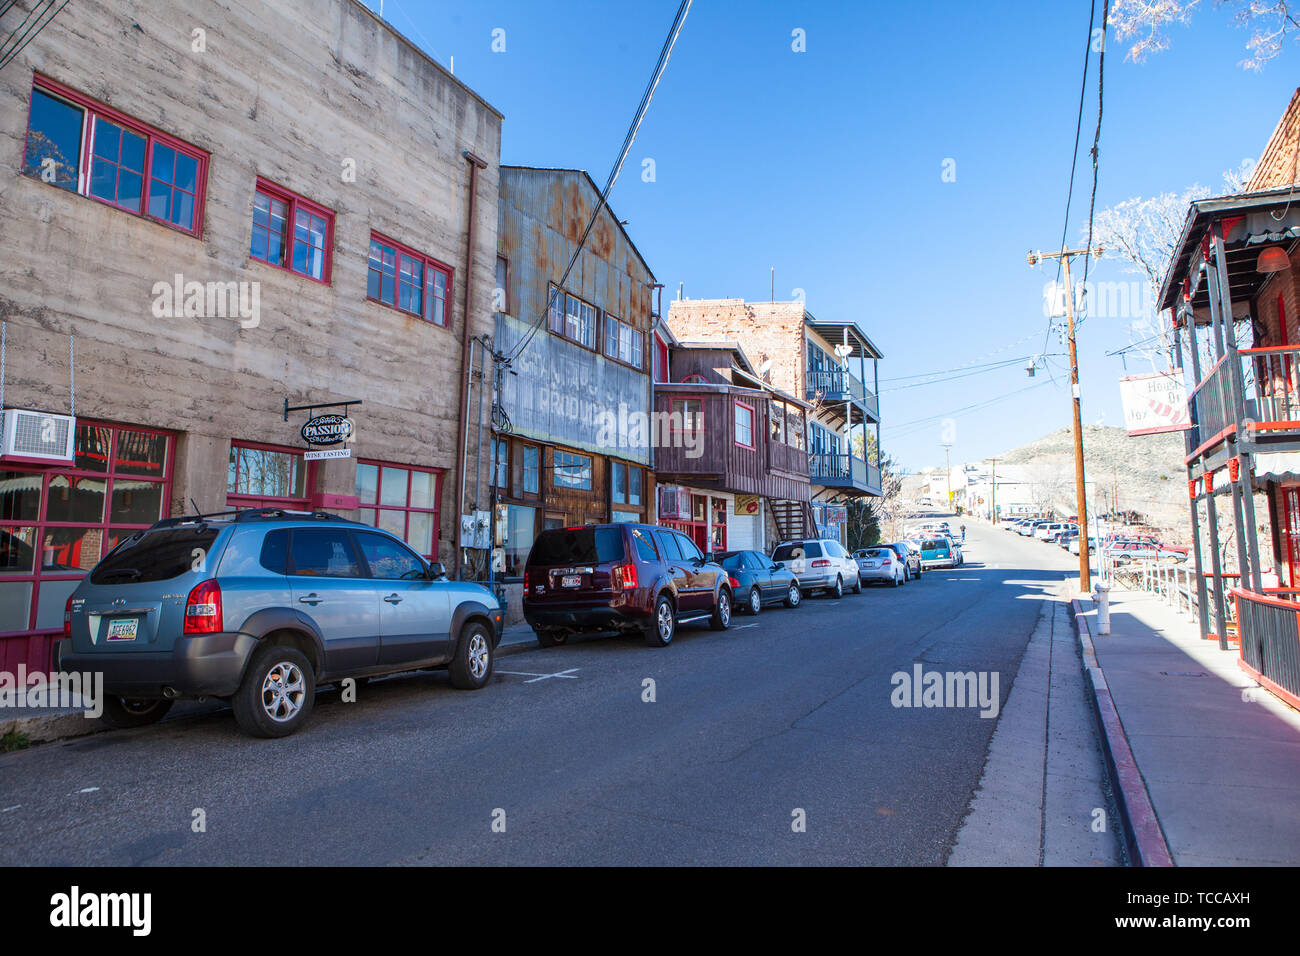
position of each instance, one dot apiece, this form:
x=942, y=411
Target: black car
x=910, y=556
x=756, y=580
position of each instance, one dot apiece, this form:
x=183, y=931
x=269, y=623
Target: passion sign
x=327, y=430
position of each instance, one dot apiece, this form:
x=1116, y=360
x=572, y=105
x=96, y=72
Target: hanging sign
x=327, y=430
x=1154, y=403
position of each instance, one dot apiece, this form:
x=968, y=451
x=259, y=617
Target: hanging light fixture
x=1273, y=259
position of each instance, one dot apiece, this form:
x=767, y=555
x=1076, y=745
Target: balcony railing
x=1270, y=641
x=836, y=386
x=1267, y=382
x=1275, y=380
x=844, y=471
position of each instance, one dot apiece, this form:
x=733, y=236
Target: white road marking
x=567, y=675
x=87, y=789
x=14, y=807
x=741, y=627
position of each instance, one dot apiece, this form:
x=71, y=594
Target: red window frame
x=427, y=262
x=753, y=421
x=365, y=509
x=661, y=356
x=240, y=501
x=94, y=111
x=295, y=202
x=110, y=529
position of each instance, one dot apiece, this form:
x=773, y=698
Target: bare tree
x=1143, y=25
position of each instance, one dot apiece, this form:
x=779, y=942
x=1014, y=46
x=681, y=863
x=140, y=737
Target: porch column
x=1216, y=570
x=1202, y=597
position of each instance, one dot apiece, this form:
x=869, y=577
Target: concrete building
x=210, y=216
x=573, y=446
x=826, y=363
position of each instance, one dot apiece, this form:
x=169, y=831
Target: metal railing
x=1266, y=382
x=1212, y=402
x=1275, y=383
x=1270, y=639
x=836, y=385
x=841, y=468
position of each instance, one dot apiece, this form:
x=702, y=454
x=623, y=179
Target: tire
x=471, y=668
x=121, y=713
x=263, y=711
x=664, y=623
x=721, y=619
x=550, y=638
x=793, y=596
x=857, y=584
x=897, y=582
x=838, y=590
x=755, y=603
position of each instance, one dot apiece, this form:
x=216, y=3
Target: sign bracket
x=315, y=405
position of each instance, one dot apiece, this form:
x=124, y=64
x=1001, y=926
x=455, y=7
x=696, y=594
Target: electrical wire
x=1096, y=139
x=664, y=54
x=979, y=370
x=7, y=51
x=978, y=406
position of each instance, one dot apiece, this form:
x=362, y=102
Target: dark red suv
x=621, y=577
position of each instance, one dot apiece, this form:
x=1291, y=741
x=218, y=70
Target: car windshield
x=799, y=549
x=155, y=555
x=578, y=546
x=934, y=544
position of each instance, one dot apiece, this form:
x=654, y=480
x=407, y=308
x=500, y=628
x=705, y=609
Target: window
x=689, y=549
x=695, y=378
x=794, y=430
x=256, y=474
x=57, y=522
x=408, y=280
x=290, y=232
x=622, y=341
x=402, y=500
x=645, y=548
x=532, y=469
x=625, y=483
x=744, y=425
x=571, y=471
x=500, y=463
x=80, y=145
x=687, y=415
x=387, y=559
x=323, y=552
x=668, y=545
x=502, y=295
x=776, y=418
x=520, y=531
x=571, y=317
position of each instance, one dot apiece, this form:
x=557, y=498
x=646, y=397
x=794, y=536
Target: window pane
x=53, y=142
x=17, y=555
x=532, y=471
x=108, y=140
x=53, y=600
x=634, y=486
x=392, y=487
x=91, y=446
x=130, y=189
x=266, y=474
x=388, y=285
x=183, y=209
x=322, y=553
x=423, y=487
x=136, y=502
x=367, y=484
x=436, y=297
x=160, y=195
x=520, y=522
x=163, y=166
x=309, y=244
x=419, y=533
x=16, y=605
x=409, y=285
x=394, y=521
x=20, y=496
x=388, y=559
x=133, y=149
x=375, y=272
x=187, y=173
x=503, y=286
x=618, y=478
x=72, y=549
x=140, y=453
x=103, y=179
x=75, y=499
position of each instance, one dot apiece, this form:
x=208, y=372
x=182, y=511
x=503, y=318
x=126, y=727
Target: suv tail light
x=67, y=618
x=203, y=609
x=625, y=576
x=525, y=580
x=821, y=563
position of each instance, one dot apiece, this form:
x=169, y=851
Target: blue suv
x=262, y=606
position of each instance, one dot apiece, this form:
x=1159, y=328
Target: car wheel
x=755, y=601
x=123, y=712
x=857, y=584
x=547, y=637
x=664, y=624
x=898, y=581
x=471, y=668
x=793, y=596
x=721, y=619
x=278, y=693
x=838, y=590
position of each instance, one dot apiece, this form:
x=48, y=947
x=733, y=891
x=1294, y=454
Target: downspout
x=462, y=439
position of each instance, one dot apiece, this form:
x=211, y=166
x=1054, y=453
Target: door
x=760, y=568
x=1291, y=533
x=700, y=577
x=328, y=586
x=414, y=612
x=675, y=564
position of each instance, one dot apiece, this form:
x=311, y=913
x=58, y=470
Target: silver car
x=881, y=565
x=261, y=607
x=819, y=564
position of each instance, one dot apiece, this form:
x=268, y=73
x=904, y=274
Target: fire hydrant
x=1101, y=597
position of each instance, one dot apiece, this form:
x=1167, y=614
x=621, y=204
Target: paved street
x=787, y=711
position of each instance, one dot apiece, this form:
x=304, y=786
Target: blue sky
x=827, y=165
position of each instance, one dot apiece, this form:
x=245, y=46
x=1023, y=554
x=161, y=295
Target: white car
x=819, y=564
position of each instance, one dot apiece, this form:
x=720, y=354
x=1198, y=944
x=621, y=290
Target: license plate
x=571, y=581
x=123, y=629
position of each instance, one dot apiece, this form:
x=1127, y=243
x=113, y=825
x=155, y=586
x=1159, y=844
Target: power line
x=664, y=54
x=964, y=373
x=14, y=44
x=1096, y=137
x=977, y=406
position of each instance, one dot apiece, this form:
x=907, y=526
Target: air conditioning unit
x=674, y=503
x=39, y=435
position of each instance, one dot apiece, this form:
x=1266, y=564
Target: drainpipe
x=462, y=439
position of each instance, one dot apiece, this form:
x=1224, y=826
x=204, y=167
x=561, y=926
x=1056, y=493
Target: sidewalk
x=43, y=724
x=1215, y=757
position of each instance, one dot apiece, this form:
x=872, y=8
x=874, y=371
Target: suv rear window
x=934, y=544
x=578, y=546
x=799, y=549
x=155, y=555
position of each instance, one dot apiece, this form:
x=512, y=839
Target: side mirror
x=776, y=567
x=436, y=571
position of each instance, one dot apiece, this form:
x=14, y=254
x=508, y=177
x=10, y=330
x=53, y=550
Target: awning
x=1277, y=465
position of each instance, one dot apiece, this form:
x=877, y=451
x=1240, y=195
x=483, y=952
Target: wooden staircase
x=794, y=519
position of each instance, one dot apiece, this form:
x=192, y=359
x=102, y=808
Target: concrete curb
x=47, y=727
x=1142, y=833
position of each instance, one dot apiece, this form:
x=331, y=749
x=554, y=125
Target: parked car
x=1075, y=546
x=631, y=578
x=937, y=552
x=880, y=565
x=1048, y=529
x=1123, y=550
x=263, y=606
x=909, y=552
x=756, y=580
x=819, y=564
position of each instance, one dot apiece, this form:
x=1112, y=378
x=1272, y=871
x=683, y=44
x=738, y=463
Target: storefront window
x=402, y=500
x=56, y=523
x=258, y=472
x=519, y=534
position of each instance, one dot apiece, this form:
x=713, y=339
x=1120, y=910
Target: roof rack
x=187, y=519
x=252, y=514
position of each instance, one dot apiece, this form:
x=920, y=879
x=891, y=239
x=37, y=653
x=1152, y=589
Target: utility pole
x=1080, y=493
x=948, y=468
x=993, y=492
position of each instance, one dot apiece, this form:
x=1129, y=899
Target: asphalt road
x=787, y=711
